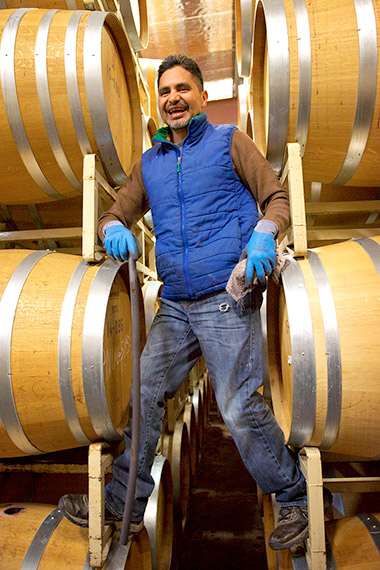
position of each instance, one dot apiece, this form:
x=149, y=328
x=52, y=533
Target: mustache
x=177, y=108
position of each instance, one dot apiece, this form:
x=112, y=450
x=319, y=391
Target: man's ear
x=204, y=98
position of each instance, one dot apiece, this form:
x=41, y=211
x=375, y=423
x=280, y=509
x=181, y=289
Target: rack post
x=99, y=535
x=292, y=172
x=310, y=463
x=93, y=184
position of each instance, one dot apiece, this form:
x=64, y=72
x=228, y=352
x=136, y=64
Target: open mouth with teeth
x=177, y=112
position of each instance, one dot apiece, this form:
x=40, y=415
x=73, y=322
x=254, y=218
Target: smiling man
x=202, y=183
x=181, y=97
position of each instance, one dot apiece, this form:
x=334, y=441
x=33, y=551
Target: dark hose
x=135, y=393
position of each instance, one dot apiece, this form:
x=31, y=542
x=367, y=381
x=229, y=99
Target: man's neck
x=178, y=135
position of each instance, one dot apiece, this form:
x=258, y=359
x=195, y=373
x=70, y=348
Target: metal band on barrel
x=116, y=558
x=117, y=555
x=303, y=355
x=243, y=106
x=373, y=526
x=8, y=306
x=304, y=62
x=12, y=107
x=64, y=354
x=72, y=82
x=246, y=26
x=135, y=26
x=367, y=35
x=71, y=5
x=92, y=350
x=3, y=5
x=278, y=63
x=264, y=326
x=373, y=250
x=334, y=364
x=92, y=62
x=150, y=518
x=40, y=540
x=150, y=300
x=45, y=101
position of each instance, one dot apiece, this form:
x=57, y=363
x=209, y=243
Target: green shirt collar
x=163, y=134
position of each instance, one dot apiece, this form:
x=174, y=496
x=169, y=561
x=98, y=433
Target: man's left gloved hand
x=261, y=250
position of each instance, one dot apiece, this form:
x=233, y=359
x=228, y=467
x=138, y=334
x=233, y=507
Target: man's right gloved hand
x=119, y=241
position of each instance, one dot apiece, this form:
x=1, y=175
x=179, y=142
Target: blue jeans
x=230, y=339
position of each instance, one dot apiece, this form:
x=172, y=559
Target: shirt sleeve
x=258, y=176
x=130, y=205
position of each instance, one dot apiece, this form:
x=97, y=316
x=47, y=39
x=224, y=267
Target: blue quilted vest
x=203, y=215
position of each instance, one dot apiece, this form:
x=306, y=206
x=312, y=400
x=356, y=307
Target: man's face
x=180, y=98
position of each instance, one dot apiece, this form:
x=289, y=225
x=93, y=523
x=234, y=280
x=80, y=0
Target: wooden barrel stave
x=312, y=402
x=64, y=394
x=63, y=545
x=175, y=447
x=150, y=69
x=52, y=141
x=45, y=4
x=151, y=293
x=309, y=66
x=197, y=401
x=158, y=518
x=188, y=416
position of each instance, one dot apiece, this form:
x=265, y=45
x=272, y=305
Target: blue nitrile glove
x=119, y=241
x=261, y=250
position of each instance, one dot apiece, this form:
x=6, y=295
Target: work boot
x=75, y=509
x=292, y=527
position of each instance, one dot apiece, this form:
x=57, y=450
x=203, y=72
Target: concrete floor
x=224, y=529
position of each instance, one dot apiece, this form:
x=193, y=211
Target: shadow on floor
x=224, y=529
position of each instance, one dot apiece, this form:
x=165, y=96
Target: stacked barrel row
x=180, y=445
x=71, y=85
x=186, y=416
x=310, y=74
x=65, y=380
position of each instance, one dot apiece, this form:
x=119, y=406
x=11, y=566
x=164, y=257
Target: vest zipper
x=183, y=225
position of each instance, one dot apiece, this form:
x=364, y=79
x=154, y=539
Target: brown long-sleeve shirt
x=253, y=169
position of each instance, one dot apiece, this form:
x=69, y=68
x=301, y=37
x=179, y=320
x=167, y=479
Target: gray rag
x=237, y=285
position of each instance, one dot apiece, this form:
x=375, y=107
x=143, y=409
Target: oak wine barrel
x=65, y=351
x=149, y=130
x=37, y=535
x=158, y=518
x=150, y=72
x=44, y=4
x=243, y=33
x=323, y=346
x=351, y=543
x=63, y=76
x=188, y=416
x=315, y=80
x=176, y=448
x=197, y=401
x=134, y=14
x=243, y=105
x=151, y=293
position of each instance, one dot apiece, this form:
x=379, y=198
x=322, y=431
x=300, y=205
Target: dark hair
x=181, y=61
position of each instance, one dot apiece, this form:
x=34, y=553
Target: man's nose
x=174, y=96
